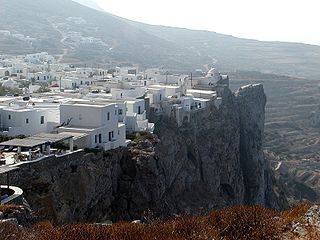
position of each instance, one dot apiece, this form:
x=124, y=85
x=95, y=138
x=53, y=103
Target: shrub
x=237, y=222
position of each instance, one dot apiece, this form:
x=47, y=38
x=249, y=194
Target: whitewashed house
x=84, y=72
x=40, y=76
x=156, y=96
x=5, y=72
x=39, y=58
x=22, y=120
x=118, y=93
x=207, y=94
x=136, y=120
x=73, y=82
x=169, y=90
x=98, y=121
x=19, y=69
x=189, y=103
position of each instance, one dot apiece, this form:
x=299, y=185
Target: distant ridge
x=87, y=36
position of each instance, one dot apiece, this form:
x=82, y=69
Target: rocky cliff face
x=213, y=160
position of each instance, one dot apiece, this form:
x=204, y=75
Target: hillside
x=96, y=37
x=84, y=35
x=231, y=53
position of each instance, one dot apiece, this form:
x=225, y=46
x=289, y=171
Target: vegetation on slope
x=237, y=222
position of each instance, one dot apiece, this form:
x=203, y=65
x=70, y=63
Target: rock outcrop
x=251, y=104
x=214, y=159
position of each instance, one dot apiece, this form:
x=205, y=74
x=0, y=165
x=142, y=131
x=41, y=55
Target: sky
x=271, y=20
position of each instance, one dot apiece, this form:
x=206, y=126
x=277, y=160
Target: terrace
x=33, y=148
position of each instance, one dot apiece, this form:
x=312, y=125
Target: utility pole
x=166, y=77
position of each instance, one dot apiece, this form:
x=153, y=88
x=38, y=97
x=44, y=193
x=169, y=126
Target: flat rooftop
x=77, y=135
x=37, y=140
x=165, y=86
x=201, y=91
x=77, y=128
x=89, y=104
x=26, y=143
x=133, y=100
x=52, y=138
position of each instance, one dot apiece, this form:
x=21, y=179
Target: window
x=9, y=117
x=160, y=97
x=95, y=139
x=100, y=138
x=110, y=136
x=115, y=112
x=139, y=109
x=118, y=132
x=108, y=116
x=120, y=111
x=27, y=120
x=42, y=120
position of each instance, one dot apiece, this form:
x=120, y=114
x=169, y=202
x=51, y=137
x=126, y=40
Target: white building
x=84, y=72
x=208, y=94
x=156, y=96
x=17, y=120
x=170, y=90
x=98, y=121
x=40, y=76
x=39, y=58
x=136, y=120
x=74, y=82
x=5, y=72
x=118, y=93
x=189, y=103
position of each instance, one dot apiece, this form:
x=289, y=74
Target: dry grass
x=237, y=222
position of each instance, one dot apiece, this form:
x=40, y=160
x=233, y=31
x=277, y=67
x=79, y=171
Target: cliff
x=214, y=159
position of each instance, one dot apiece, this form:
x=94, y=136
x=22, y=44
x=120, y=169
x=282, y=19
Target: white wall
x=135, y=106
x=74, y=82
x=102, y=119
x=118, y=93
x=28, y=122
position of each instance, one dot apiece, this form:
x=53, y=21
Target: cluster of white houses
x=97, y=107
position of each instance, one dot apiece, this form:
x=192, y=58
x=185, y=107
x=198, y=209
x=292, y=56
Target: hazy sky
x=282, y=20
